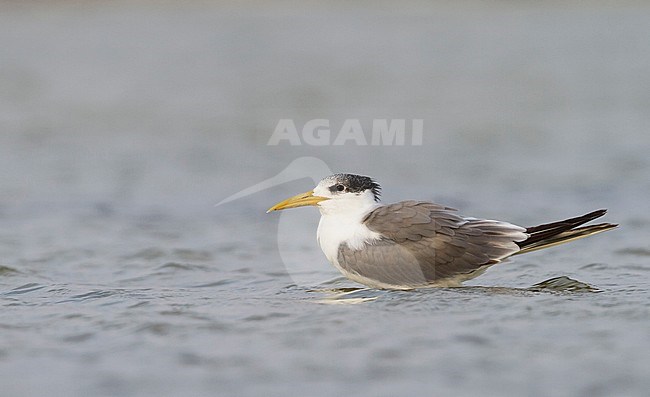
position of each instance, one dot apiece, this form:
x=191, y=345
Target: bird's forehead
x=332, y=179
x=345, y=179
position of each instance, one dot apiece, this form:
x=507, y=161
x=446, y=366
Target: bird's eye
x=340, y=188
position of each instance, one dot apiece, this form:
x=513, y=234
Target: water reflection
x=351, y=295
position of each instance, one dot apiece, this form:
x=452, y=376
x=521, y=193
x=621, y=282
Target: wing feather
x=425, y=243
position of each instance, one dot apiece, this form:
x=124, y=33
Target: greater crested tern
x=417, y=244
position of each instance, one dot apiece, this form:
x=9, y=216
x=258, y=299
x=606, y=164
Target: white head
x=338, y=193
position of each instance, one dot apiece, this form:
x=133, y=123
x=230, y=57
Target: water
x=122, y=125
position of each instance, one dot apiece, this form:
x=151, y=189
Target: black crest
x=354, y=184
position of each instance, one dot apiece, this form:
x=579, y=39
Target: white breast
x=333, y=230
x=340, y=222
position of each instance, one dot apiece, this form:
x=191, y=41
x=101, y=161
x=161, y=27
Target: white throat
x=340, y=222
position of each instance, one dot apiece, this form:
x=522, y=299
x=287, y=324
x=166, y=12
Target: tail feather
x=555, y=233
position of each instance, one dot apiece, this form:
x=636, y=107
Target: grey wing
x=382, y=264
x=425, y=243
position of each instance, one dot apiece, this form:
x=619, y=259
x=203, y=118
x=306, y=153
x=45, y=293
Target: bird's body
x=417, y=244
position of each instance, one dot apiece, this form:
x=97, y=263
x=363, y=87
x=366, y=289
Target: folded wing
x=425, y=243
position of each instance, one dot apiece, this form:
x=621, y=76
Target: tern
x=418, y=244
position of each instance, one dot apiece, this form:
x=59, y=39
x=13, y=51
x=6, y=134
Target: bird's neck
x=344, y=226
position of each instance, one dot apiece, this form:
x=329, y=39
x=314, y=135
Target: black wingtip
x=548, y=230
x=594, y=214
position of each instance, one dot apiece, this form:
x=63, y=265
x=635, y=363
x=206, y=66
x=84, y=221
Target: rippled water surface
x=123, y=125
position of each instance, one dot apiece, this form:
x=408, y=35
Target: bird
x=418, y=244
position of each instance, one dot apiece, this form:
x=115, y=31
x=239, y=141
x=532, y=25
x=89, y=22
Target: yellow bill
x=299, y=200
